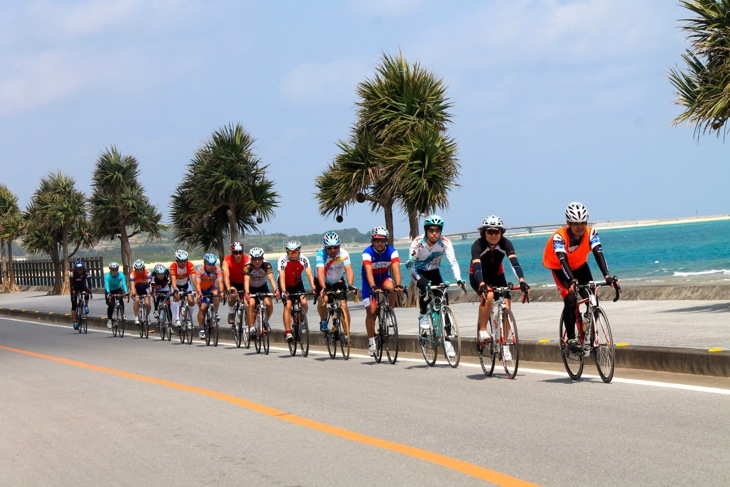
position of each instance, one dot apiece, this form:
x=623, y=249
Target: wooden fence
x=41, y=272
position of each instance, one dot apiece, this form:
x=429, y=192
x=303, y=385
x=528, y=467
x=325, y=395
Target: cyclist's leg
x=287, y=315
x=269, y=308
x=73, y=306
x=321, y=301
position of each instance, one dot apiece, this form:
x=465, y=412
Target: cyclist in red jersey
x=233, y=274
x=290, y=268
x=181, y=272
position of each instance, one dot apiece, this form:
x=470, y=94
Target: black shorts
x=141, y=289
x=297, y=288
x=238, y=286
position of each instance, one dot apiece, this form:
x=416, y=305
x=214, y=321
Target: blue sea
x=680, y=253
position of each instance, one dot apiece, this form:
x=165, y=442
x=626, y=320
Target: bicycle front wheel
x=487, y=351
x=603, y=346
x=265, y=335
x=390, y=337
x=187, y=324
x=330, y=335
x=573, y=361
x=379, y=337
x=237, y=326
x=344, y=335
x=304, y=334
x=295, y=339
x=428, y=343
x=146, y=326
x=510, y=345
x=452, y=336
x=215, y=331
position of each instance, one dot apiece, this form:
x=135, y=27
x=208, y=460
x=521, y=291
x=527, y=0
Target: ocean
x=678, y=253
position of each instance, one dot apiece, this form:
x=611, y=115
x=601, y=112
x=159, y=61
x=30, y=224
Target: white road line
x=639, y=382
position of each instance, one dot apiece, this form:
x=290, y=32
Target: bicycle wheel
x=428, y=344
x=487, y=352
x=304, y=334
x=265, y=335
x=237, y=327
x=380, y=336
x=187, y=324
x=122, y=324
x=84, y=324
x=573, y=361
x=603, y=346
x=510, y=343
x=390, y=338
x=146, y=324
x=181, y=329
x=257, y=335
x=140, y=318
x=330, y=335
x=344, y=335
x=295, y=338
x=208, y=317
x=452, y=335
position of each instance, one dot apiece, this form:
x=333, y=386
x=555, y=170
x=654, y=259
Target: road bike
x=239, y=326
x=186, y=319
x=82, y=311
x=261, y=333
x=593, y=332
x=386, y=333
x=163, y=315
x=444, y=327
x=118, y=318
x=299, y=327
x=336, y=326
x=143, y=317
x=210, y=321
x=504, y=339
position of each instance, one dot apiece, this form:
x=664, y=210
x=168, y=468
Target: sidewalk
x=674, y=336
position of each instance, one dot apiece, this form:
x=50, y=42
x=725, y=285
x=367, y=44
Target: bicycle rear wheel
x=573, y=361
x=344, y=335
x=452, y=335
x=510, y=343
x=603, y=346
x=487, y=351
x=428, y=344
x=304, y=334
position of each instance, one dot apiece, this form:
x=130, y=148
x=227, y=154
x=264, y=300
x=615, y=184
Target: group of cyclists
x=244, y=276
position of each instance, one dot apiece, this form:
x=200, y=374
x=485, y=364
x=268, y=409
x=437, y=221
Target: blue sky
x=553, y=101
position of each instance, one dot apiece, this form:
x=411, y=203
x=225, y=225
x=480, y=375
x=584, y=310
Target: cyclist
x=139, y=280
x=114, y=283
x=487, y=269
x=255, y=274
x=233, y=265
x=332, y=263
x=290, y=269
x=378, y=260
x=566, y=254
x=79, y=281
x=208, y=281
x=181, y=271
x=424, y=258
x=160, y=283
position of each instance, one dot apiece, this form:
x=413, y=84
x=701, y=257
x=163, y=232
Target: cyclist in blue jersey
x=378, y=261
x=331, y=264
x=114, y=283
x=424, y=258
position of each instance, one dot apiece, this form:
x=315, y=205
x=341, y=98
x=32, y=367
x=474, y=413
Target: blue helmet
x=79, y=264
x=331, y=239
x=433, y=220
x=210, y=259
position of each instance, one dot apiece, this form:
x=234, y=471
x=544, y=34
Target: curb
x=662, y=359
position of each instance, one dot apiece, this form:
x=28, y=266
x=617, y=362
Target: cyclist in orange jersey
x=139, y=280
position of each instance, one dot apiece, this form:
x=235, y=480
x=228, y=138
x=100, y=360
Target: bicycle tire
x=603, y=345
x=344, y=335
x=115, y=325
x=181, y=329
x=265, y=335
x=160, y=324
x=256, y=337
x=329, y=336
x=122, y=324
x=146, y=324
x=188, y=326
x=208, y=324
x=295, y=337
x=454, y=336
x=304, y=333
x=428, y=344
x=237, y=328
x=168, y=313
x=380, y=336
x=391, y=345
x=511, y=342
x=573, y=362
x=140, y=318
x=487, y=352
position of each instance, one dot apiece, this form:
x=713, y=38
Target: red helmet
x=237, y=247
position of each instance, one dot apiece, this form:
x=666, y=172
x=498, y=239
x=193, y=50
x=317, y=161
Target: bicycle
x=210, y=322
x=186, y=319
x=299, y=326
x=502, y=329
x=118, y=318
x=164, y=315
x=386, y=333
x=594, y=334
x=442, y=319
x=81, y=311
x=239, y=328
x=262, y=333
x=335, y=324
x=143, y=317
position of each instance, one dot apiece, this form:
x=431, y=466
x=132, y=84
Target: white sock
x=175, y=308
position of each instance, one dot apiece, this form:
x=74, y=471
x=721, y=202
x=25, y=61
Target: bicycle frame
x=386, y=332
x=503, y=329
x=339, y=329
x=81, y=315
x=442, y=320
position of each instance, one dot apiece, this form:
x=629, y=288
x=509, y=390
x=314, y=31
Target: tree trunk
x=388, y=212
x=13, y=287
x=65, y=286
x=126, y=251
x=232, y=224
x=57, y=272
x=5, y=276
x=413, y=223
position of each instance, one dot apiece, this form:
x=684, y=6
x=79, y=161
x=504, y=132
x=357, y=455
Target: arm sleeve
x=600, y=259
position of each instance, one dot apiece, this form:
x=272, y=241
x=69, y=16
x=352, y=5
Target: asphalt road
x=97, y=410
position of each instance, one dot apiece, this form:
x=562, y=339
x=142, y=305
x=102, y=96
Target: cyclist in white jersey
x=331, y=264
x=424, y=260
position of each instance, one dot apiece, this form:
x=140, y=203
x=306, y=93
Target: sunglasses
x=333, y=247
x=257, y=259
x=380, y=240
x=434, y=230
x=493, y=232
x=237, y=253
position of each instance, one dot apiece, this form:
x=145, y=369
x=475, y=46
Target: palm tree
x=225, y=192
x=119, y=207
x=55, y=214
x=398, y=151
x=702, y=86
x=10, y=229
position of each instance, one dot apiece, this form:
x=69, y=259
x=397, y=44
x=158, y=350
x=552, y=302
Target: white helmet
x=492, y=222
x=380, y=232
x=138, y=265
x=181, y=255
x=576, y=213
x=256, y=253
x=293, y=245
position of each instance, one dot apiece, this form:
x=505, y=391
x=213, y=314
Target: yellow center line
x=442, y=460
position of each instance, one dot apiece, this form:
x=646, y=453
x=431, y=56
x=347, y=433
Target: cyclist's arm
x=123, y=281
x=395, y=269
x=451, y=257
x=308, y=272
x=247, y=283
x=368, y=267
x=320, y=276
x=601, y=260
x=270, y=276
x=350, y=275
x=226, y=275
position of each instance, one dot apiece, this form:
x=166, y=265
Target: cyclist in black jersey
x=79, y=281
x=487, y=268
